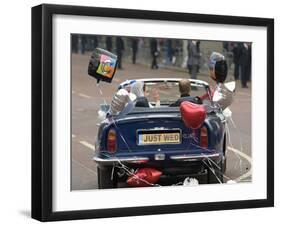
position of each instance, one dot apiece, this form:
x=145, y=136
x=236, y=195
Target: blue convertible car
x=156, y=138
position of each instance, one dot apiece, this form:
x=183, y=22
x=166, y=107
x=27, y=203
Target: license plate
x=156, y=138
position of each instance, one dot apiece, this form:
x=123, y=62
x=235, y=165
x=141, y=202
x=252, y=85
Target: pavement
x=87, y=97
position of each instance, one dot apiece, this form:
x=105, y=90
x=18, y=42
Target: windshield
x=167, y=92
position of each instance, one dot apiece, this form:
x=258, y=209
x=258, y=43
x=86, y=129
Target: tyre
x=105, y=180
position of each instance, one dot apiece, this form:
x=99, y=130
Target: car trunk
x=155, y=131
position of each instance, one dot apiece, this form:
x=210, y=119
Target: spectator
x=108, y=43
x=188, y=66
x=74, y=43
x=134, y=49
x=141, y=48
x=83, y=41
x=119, y=50
x=198, y=50
x=95, y=42
x=154, y=53
x=169, y=52
x=245, y=64
x=193, y=58
x=236, y=55
x=228, y=52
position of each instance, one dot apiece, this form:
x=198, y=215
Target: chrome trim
x=116, y=160
x=160, y=115
x=195, y=81
x=194, y=157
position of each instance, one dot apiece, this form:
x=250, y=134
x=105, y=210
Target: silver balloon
x=223, y=95
x=120, y=99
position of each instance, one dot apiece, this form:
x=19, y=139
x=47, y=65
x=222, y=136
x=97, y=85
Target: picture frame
x=43, y=95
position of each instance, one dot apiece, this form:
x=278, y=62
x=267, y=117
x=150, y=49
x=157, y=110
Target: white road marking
x=81, y=94
x=84, y=95
x=88, y=145
x=245, y=175
x=83, y=166
x=243, y=93
x=248, y=158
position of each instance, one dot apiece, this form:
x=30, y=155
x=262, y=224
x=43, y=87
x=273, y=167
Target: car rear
x=159, y=139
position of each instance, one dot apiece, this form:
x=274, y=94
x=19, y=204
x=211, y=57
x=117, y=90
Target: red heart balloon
x=193, y=115
x=144, y=177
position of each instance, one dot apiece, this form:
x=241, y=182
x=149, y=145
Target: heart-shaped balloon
x=144, y=177
x=193, y=115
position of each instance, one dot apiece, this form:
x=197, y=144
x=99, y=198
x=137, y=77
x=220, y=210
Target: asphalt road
x=86, y=98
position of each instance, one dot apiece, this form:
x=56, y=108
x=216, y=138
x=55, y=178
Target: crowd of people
x=236, y=53
x=83, y=43
x=241, y=55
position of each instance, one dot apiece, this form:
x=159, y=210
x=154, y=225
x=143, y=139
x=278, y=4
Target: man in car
x=185, y=88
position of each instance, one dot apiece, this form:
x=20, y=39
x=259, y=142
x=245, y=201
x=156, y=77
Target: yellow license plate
x=159, y=138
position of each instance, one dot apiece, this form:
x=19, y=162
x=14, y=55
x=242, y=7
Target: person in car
x=138, y=88
x=185, y=89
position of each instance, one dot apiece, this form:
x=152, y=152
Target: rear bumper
x=197, y=157
x=142, y=159
x=109, y=161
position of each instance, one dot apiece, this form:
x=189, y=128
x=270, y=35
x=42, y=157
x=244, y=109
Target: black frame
x=42, y=111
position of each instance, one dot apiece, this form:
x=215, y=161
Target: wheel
x=104, y=177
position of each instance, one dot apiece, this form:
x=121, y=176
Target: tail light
x=204, y=137
x=111, y=140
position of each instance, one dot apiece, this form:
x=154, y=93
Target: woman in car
x=138, y=88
